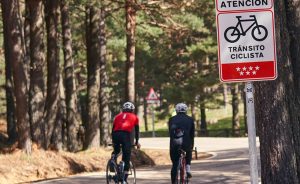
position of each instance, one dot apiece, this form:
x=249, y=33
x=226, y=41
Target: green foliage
x=225, y=123
x=174, y=41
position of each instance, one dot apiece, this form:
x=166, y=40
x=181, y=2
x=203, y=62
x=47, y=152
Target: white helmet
x=181, y=107
x=128, y=106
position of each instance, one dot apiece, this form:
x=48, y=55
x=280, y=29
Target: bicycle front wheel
x=111, y=172
x=131, y=174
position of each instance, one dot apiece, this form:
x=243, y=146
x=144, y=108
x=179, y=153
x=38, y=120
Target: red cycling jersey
x=125, y=121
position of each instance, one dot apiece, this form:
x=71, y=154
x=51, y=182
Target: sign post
x=247, y=52
x=153, y=122
x=152, y=98
x=251, y=132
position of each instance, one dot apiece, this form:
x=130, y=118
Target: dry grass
x=17, y=167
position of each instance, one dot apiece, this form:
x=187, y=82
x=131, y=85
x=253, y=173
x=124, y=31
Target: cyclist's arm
x=137, y=133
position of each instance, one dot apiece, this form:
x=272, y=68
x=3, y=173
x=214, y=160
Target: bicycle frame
x=245, y=20
x=181, y=168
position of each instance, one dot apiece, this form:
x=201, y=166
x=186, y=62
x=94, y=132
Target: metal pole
x=251, y=132
x=153, y=128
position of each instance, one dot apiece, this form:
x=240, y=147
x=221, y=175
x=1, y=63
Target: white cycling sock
x=188, y=168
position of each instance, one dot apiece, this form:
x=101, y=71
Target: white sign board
x=246, y=40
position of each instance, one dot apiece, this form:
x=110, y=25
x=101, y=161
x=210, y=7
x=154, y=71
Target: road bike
x=115, y=171
x=259, y=32
x=181, y=177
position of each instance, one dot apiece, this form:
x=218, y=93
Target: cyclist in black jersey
x=182, y=133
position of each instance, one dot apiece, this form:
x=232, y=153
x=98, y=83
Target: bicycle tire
x=259, y=28
x=131, y=174
x=111, y=172
x=233, y=31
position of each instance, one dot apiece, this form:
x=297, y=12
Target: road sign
x=246, y=40
x=243, y=5
x=152, y=97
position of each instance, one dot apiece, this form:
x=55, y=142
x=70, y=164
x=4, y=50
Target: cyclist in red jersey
x=123, y=125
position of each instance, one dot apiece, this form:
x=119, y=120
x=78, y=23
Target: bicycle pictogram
x=233, y=33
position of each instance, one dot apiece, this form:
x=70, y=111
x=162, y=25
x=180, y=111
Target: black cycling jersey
x=181, y=131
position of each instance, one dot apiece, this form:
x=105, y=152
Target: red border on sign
x=230, y=73
x=246, y=79
x=257, y=9
x=149, y=93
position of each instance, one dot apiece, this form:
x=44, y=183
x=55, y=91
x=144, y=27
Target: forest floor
x=18, y=167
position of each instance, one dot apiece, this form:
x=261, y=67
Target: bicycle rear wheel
x=232, y=34
x=111, y=172
x=131, y=174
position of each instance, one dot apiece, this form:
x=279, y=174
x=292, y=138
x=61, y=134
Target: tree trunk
x=130, y=54
x=16, y=57
x=225, y=95
x=203, y=125
x=193, y=110
x=26, y=33
x=53, y=94
x=277, y=113
x=293, y=24
x=243, y=95
x=145, y=114
x=93, y=65
x=130, y=51
x=235, y=110
x=61, y=124
x=73, y=121
x=37, y=58
x=104, y=110
x=9, y=89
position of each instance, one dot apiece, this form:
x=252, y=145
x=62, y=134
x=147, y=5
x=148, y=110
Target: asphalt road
x=228, y=165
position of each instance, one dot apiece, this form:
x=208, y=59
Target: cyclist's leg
x=174, y=154
x=126, y=150
x=116, y=142
x=188, y=159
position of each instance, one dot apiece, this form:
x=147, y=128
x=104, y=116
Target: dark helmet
x=128, y=107
x=181, y=107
